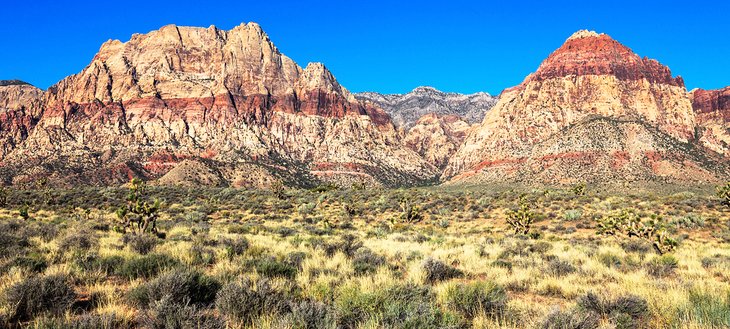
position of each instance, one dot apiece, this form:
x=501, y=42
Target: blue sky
x=384, y=46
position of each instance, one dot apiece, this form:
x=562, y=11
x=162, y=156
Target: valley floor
x=358, y=258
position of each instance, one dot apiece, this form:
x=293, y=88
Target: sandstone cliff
x=532, y=129
x=141, y=107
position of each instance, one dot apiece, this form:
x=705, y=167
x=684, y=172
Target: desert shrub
x=167, y=313
x=105, y=264
x=572, y=215
x=571, y=319
x=201, y=255
x=609, y=260
x=177, y=286
x=480, y=297
x=365, y=261
x=271, y=267
x=636, y=245
x=708, y=309
x=242, y=302
x=503, y=264
x=38, y=295
x=628, y=311
x=689, y=221
x=662, y=266
x=296, y=259
x=348, y=244
x=34, y=262
x=141, y=243
x=712, y=261
x=437, y=271
x=235, y=247
x=146, y=266
x=77, y=241
x=397, y=306
x=312, y=315
x=559, y=267
x=94, y=321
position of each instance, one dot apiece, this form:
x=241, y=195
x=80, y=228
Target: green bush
x=146, y=266
x=397, y=306
x=271, y=268
x=475, y=298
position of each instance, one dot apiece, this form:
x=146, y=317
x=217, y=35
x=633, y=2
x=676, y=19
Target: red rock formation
x=549, y=128
x=194, y=92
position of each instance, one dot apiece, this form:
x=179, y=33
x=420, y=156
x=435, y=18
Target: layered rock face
x=143, y=106
x=712, y=108
x=437, y=137
x=20, y=109
x=406, y=109
x=532, y=131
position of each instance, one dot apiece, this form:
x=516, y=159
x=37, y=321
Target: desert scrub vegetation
x=328, y=257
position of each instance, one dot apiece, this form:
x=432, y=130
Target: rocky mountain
x=712, y=108
x=593, y=111
x=190, y=98
x=406, y=109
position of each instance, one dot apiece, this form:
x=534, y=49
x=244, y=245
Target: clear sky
x=385, y=46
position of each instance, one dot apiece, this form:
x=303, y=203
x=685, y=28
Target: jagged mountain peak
x=406, y=109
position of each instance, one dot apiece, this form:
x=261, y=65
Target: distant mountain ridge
x=406, y=109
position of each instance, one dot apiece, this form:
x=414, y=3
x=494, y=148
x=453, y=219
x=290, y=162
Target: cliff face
x=590, y=76
x=712, y=108
x=20, y=109
x=227, y=96
x=407, y=109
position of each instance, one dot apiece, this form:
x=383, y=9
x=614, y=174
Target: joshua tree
x=140, y=214
x=521, y=219
x=628, y=223
x=410, y=213
x=723, y=192
x=579, y=189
